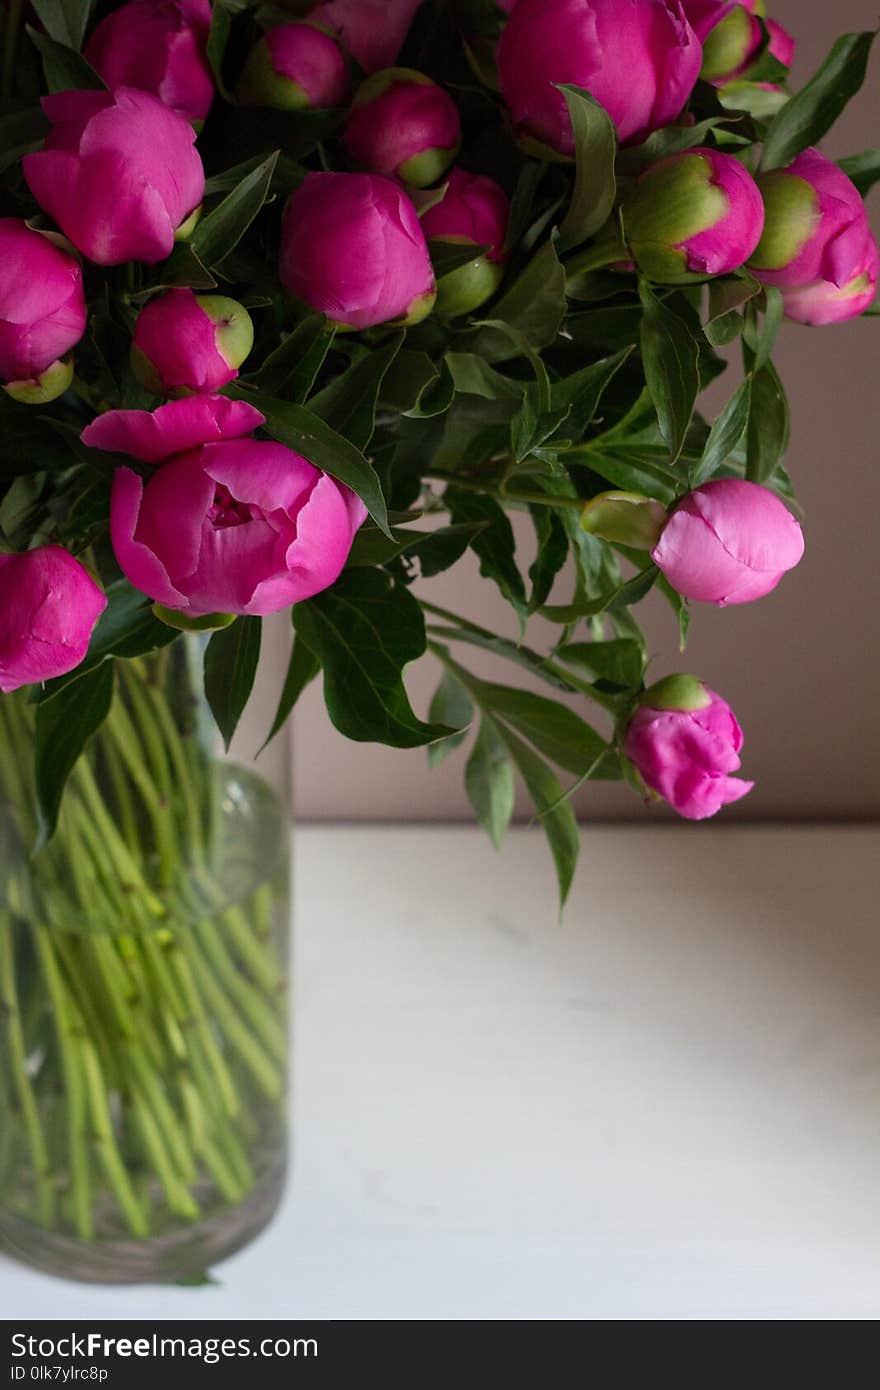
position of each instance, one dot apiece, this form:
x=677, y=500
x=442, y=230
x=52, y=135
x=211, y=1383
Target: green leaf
x=409, y=385
x=595, y=186
x=231, y=660
x=300, y=429
x=488, y=780
x=494, y=544
x=863, y=169
x=580, y=393
x=670, y=354
x=64, y=726
x=64, y=69
x=554, y=729
x=435, y=550
x=623, y=595
x=552, y=539
x=534, y=306
x=290, y=370
x=620, y=661
x=767, y=437
x=813, y=110
x=218, y=40
x=182, y=269
x=451, y=705
x=447, y=256
x=554, y=811
x=301, y=671
x=364, y=631
x=728, y=294
x=473, y=376
x=65, y=20
x=222, y=229
x=760, y=334
x=725, y=434
x=348, y=403
x=670, y=140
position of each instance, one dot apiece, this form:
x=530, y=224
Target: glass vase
x=143, y=989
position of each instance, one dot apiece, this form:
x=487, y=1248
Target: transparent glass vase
x=143, y=989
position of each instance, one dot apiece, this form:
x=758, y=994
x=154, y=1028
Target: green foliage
x=64, y=726
x=231, y=660
x=813, y=110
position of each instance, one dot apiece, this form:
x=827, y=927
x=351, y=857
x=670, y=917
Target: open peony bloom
x=160, y=47
x=226, y=523
x=817, y=245
x=685, y=742
x=188, y=342
x=728, y=541
x=372, y=31
x=639, y=59
x=693, y=214
x=403, y=125
x=294, y=67
x=42, y=312
x=48, y=609
x=118, y=172
x=352, y=248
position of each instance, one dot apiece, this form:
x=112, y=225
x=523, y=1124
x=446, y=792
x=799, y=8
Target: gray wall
x=800, y=667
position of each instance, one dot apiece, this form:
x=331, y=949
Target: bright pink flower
x=473, y=208
x=296, y=66
x=352, y=248
x=189, y=342
x=728, y=541
x=118, y=173
x=686, y=754
x=160, y=47
x=731, y=36
x=817, y=245
x=403, y=125
x=639, y=58
x=48, y=609
x=42, y=308
x=226, y=523
x=782, y=43
x=373, y=31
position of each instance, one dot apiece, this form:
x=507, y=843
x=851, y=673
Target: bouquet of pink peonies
x=299, y=304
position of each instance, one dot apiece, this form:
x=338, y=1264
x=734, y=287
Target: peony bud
x=118, y=173
x=42, y=313
x=731, y=36
x=685, y=742
x=295, y=66
x=352, y=248
x=404, y=126
x=372, y=31
x=225, y=523
x=693, y=214
x=640, y=60
x=48, y=609
x=474, y=209
x=817, y=245
x=728, y=541
x=185, y=342
x=159, y=46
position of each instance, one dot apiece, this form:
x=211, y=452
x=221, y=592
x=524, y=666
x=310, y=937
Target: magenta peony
x=352, y=248
x=731, y=36
x=160, y=47
x=42, y=312
x=403, y=125
x=188, y=342
x=372, y=31
x=118, y=172
x=226, y=523
x=685, y=742
x=474, y=208
x=48, y=609
x=295, y=66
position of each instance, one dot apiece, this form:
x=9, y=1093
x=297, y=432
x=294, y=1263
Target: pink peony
x=42, y=308
x=373, y=31
x=685, y=742
x=226, y=523
x=731, y=37
x=403, y=125
x=48, y=609
x=727, y=542
x=118, y=172
x=188, y=342
x=295, y=66
x=160, y=47
x=639, y=58
x=352, y=248
x=473, y=208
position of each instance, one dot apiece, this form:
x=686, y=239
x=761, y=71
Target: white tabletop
x=666, y=1108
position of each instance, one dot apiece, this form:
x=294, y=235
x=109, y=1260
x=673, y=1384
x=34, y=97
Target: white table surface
x=666, y=1108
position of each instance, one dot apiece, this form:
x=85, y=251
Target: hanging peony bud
x=685, y=742
x=352, y=248
x=474, y=209
x=404, y=126
x=293, y=67
x=225, y=523
x=817, y=245
x=728, y=541
x=118, y=173
x=42, y=313
x=185, y=342
x=640, y=60
x=372, y=31
x=48, y=609
x=692, y=215
x=159, y=46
